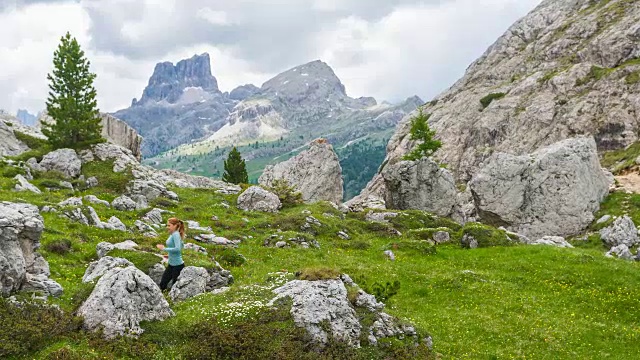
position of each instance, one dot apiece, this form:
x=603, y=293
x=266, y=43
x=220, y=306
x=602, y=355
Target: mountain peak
x=168, y=82
x=311, y=81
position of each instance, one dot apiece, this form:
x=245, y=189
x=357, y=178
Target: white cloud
x=391, y=51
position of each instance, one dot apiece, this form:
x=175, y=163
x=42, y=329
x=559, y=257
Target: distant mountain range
x=188, y=123
x=26, y=118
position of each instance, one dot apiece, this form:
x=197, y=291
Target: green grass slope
x=496, y=302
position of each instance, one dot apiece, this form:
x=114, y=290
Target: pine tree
x=72, y=99
x=235, y=171
x=420, y=131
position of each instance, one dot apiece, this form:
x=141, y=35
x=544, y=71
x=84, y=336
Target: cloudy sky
x=389, y=49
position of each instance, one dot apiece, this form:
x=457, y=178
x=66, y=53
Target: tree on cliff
x=235, y=171
x=420, y=131
x=72, y=99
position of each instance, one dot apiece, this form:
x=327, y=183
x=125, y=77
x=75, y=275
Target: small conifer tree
x=72, y=99
x=420, y=131
x=235, y=170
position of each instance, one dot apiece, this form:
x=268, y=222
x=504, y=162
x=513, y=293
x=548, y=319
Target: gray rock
x=441, y=237
x=92, y=182
x=104, y=247
x=65, y=161
x=154, y=216
x=603, y=219
x=468, y=242
x=219, y=277
x=24, y=185
x=557, y=241
x=116, y=224
x=315, y=172
x=256, y=198
x=379, y=216
x=145, y=229
x=318, y=302
x=389, y=254
x=33, y=164
x=194, y=247
x=122, y=157
x=368, y=301
x=553, y=191
x=123, y=203
x=194, y=225
x=76, y=215
x=622, y=232
x=21, y=266
x=122, y=298
x=343, y=235
x=99, y=267
x=72, y=201
x=120, y=133
x=191, y=282
x=620, y=251
x=421, y=185
x=92, y=199
x=156, y=272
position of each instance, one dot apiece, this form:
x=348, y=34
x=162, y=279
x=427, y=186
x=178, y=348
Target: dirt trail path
x=629, y=182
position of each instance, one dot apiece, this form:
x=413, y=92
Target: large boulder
x=622, y=232
x=315, y=172
x=121, y=299
x=553, y=191
x=21, y=266
x=191, y=282
x=99, y=267
x=421, y=185
x=65, y=161
x=323, y=308
x=256, y=198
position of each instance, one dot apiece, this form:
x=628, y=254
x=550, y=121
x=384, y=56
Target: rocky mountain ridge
x=568, y=68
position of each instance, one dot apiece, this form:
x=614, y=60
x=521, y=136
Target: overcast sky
x=389, y=49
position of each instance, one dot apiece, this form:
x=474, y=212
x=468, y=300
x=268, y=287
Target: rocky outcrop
x=553, y=191
x=315, y=172
x=256, y=198
x=24, y=185
x=65, y=161
x=568, y=68
x=421, y=185
x=9, y=144
x=622, y=232
x=121, y=299
x=120, y=133
x=21, y=266
x=323, y=309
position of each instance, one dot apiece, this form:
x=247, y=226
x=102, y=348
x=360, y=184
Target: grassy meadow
x=495, y=302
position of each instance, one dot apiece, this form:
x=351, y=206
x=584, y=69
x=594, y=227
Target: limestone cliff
x=568, y=68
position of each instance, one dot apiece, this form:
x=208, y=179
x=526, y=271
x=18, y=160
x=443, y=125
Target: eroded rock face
x=9, y=144
x=542, y=64
x=553, y=191
x=118, y=132
x=122, y=298
x=256, y=198
x=21, y=266
x=315, y=172
x=421, y=185
x=65, y=161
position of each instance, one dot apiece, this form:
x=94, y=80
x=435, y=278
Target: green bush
x=11, y=171
x=383, y=291
x=228, y=257
x=485, y=101
x=109, y=181
x=32, y=142
x=287, y=193
x=426, y=233
x=421, y=132
x=318, y=273
x=486, y=235
x=60, y=247
x=417, y=219
x=31, y=326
